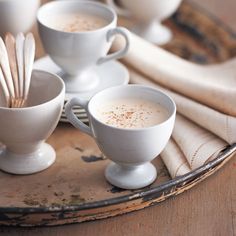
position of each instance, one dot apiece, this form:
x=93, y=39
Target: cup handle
x=120, y=11
x=116, y=55
x=77, y=123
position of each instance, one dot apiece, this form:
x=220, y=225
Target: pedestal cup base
x=81, y=83
x=130, y=177
x=154, y=33
x=27, y=163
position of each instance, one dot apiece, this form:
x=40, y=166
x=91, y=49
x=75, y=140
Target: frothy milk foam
x=76, y=22
x=131, y=113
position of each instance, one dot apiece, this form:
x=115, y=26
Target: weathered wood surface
x=208, y=209
x=74, y=188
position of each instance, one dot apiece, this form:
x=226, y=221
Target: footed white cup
x=79, y=53
x=149, y=14
x=17, y=15
x=23, y=131
x=130, y=150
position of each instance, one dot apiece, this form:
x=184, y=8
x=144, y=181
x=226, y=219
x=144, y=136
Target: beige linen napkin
x=214, y=86
x=191, y=145
x=174, y=159
x=197, y=144
x=218, y=123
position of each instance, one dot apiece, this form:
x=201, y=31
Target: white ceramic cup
x=79, y=53
x=130, y=150
x=149, y=14
x=24, y=130
x=17, y=15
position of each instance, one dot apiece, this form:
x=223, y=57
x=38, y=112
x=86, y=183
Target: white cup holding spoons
x=23, y=131
x=79, y=53
x=129, y=149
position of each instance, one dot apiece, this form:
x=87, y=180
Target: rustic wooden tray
x=74, y=189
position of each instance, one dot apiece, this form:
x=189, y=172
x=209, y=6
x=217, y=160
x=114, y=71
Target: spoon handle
x=10, y=45
x=29, y=53
x=4, y=87
x=6, y=68
x=20, y=62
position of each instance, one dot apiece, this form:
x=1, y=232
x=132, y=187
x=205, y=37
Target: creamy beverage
x=131, y=113
x=131, y=125
x=77, y=35
x=76, y=22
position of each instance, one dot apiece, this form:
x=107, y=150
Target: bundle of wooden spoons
x=16, y=64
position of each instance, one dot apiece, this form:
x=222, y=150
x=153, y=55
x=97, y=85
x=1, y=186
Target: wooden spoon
x=4, y=87
x=4, y=62
x=11, y=50
x=20, y=62
x=29, y=53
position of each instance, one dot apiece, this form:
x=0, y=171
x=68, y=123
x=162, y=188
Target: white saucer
x=111, y=74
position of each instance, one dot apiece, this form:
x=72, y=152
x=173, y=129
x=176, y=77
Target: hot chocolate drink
x=131, y=113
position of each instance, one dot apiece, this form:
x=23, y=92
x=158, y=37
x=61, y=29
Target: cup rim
x=41, y=104
x=88, y=2
x=173, y=113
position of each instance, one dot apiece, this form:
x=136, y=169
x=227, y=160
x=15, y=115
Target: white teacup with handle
x=130, y=148
x=149, y=14
x=17, y=16
x=78, y=53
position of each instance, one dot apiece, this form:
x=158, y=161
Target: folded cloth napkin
x=191, y=145
x=174, y=159
x=218, y=123
x=214, y=86
x=197, y=144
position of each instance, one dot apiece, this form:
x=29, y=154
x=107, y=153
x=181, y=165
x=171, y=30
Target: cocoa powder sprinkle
x=132, y=113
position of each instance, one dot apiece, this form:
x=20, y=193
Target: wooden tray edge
x=28, y=217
